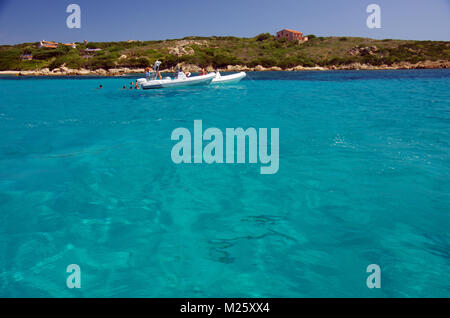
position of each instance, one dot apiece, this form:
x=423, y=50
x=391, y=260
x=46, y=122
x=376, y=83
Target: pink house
x=291, y=35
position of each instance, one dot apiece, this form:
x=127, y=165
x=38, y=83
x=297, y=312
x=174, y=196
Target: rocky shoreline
x=64, y=71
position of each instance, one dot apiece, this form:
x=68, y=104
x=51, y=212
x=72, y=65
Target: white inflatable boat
x=181, y=81
x=228, y=79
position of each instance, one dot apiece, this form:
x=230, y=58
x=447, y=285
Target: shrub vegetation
x=263, y=49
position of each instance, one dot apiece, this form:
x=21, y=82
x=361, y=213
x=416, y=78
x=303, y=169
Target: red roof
x=49, y=42
x=293, y=31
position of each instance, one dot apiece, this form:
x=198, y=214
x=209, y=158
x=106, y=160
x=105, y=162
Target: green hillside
x=263, y=49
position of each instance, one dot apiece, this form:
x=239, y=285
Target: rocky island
x=261, y=53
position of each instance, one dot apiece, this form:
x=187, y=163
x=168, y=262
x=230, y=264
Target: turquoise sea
x=86, y=178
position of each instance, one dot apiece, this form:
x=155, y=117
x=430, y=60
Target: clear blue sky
x=112, y=20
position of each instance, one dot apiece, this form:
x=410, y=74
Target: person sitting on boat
x=186, y=73
x=203, y=72
x=180, y=74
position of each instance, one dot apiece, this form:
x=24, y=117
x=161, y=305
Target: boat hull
x=173, y=83
x=229, y=79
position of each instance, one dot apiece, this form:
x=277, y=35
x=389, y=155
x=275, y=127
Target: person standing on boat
x=156, y=69
x=147, y=73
